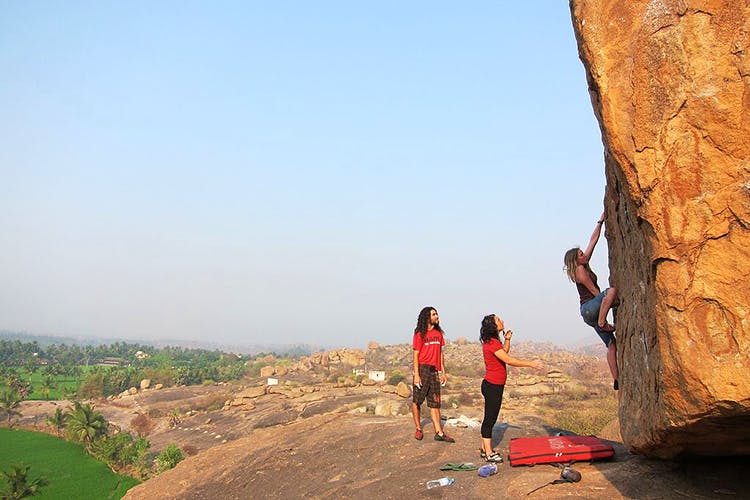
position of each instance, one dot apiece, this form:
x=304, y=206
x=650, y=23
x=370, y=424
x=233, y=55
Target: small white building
x=272, y=381
x=376, y=375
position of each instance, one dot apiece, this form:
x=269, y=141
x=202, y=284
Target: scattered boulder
x=132, y=390
x=252, y=392
x=240, y=404
x=267, y=371
x=390, y=408
x=145, y=384
x=286, y=391
x=403, y=390
x=280, y=371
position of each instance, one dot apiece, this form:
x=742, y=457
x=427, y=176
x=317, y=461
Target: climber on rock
x=595, y=304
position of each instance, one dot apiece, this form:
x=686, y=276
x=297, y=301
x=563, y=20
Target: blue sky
x=283, y=172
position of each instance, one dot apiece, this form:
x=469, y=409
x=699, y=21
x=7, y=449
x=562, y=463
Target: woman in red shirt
x=496, y=357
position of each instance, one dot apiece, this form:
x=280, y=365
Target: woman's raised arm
x=594, y=237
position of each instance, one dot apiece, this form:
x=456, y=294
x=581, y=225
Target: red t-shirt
x=495, y=372
x=429, y=348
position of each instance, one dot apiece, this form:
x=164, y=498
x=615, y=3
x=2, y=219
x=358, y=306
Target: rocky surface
x=342, y=455
x=670, y=85
x=319, y=434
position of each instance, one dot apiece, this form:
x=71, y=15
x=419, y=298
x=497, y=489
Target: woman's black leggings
x=493, y=398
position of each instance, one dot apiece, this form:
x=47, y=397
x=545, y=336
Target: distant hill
x=583, y=346
x=247, y=349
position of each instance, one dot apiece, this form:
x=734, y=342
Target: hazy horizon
x=293, y=173
x=249, y=348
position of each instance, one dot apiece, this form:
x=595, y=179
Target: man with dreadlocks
x=429, y=371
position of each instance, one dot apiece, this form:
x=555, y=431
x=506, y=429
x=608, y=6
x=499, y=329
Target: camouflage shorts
x=430, y=389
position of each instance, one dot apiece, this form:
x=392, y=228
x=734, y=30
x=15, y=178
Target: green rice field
x=70, y=471
x=62, y=382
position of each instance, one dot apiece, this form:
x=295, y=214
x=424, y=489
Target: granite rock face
x=670, y=85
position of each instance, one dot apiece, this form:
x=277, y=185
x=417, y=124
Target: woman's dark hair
x=489, y=329
x=423, y=321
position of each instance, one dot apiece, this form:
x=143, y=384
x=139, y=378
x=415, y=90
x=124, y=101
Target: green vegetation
x=168, y=458
x=9, y=403
x=84, y=424
x=31, y=371
x=396, y=377
x=45, y=382
x=19, y=484
x=67, y=372
x=68, y=469
x=57, y=420
x=123, y=450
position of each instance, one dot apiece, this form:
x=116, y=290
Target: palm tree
x=57, y=421
x=48, y=384
x=68, y=392
x=18, y=385
x=85, y=424
x=19, y=485
x=9, y=402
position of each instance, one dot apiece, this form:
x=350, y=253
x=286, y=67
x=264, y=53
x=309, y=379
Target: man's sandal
x=461, y=466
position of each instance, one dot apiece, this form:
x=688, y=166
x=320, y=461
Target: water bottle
x=443, y=481
x=487, y=470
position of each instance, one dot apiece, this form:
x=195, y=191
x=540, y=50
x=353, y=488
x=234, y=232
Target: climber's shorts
x=590, y=315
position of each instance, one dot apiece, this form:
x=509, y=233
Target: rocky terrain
x=327, y=430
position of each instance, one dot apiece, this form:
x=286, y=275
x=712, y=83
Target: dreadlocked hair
x=423, y=322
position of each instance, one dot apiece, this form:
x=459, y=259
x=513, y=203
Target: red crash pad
x=560, y=449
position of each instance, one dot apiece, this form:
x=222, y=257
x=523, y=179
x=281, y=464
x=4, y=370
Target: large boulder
x=390, y=408
x=252, y=392
x=280, y=371
x=403, y=390
x=670, y=85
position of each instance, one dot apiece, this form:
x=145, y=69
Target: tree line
x=28, y=367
